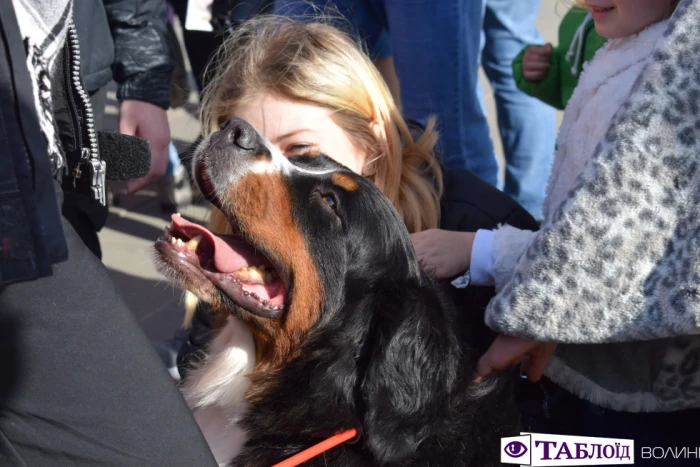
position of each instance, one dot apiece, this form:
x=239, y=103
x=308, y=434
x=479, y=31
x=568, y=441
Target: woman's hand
x=442, y=252
x=508, y=350
x=536, y=62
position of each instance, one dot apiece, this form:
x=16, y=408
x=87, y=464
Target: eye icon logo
x=515, y=449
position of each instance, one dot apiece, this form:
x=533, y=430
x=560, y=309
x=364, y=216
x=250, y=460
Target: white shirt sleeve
x=481, y=264
x=495, y=254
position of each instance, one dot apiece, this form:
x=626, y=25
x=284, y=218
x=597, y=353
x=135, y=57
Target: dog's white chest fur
x=215, y=391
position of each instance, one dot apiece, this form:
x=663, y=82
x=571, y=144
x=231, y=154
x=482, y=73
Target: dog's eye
x=329, y=199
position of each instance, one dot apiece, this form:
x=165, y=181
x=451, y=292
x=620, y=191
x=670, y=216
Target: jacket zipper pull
x=77, y=171
x=98, y=170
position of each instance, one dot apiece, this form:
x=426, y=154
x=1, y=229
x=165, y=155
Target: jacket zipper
x=82, y=109
x=87, y=134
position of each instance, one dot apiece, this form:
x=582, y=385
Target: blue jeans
x=526, y=125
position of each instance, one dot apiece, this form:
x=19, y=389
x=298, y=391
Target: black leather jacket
x=126, y=40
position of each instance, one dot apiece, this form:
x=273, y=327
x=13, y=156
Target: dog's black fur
x=388, y=354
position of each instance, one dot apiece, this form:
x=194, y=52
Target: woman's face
x=297, y=128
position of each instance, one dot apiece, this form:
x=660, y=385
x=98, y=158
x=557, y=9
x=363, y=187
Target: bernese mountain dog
x=327, y=321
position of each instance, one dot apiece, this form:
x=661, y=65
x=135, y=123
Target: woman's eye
x=329, y=200
x=300, y=150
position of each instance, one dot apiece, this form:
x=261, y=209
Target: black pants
x=200, y=45
x=80, y=384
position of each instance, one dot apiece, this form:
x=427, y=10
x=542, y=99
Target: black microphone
x=127, y=157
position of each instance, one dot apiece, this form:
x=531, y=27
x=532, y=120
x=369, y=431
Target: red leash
x=317, y=449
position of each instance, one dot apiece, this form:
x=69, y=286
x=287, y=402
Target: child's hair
x=316, y=63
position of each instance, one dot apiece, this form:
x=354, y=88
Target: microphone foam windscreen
x=127, y=157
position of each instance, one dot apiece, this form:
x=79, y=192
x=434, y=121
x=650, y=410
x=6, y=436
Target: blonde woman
x=310, y=89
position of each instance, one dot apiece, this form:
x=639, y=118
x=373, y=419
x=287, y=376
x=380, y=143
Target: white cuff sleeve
x=481, y=265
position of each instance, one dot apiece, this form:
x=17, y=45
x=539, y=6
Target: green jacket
x=557, y=86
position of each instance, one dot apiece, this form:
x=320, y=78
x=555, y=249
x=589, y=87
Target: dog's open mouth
x=234, y=266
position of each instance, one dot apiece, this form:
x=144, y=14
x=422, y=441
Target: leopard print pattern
x=619, y=259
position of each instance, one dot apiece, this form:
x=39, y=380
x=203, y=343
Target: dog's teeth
x=194, y=243
x=173, y=241
x=191, y=300
x=255, y=273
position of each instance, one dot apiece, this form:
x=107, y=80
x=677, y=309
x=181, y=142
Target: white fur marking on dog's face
x=281, y=164
x=277, y=164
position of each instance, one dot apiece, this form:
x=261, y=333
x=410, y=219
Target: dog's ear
x=412, y=370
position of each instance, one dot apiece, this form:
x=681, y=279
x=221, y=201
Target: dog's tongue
x=229, y=253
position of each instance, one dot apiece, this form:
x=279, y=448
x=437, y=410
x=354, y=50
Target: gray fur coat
x=614, y=273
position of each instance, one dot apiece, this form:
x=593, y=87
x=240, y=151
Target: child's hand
x=442, y=252
x=508, y=350
x=536, y=62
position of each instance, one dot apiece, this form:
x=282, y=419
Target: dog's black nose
x=239, y=133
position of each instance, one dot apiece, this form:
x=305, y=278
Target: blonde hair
x=317, y=63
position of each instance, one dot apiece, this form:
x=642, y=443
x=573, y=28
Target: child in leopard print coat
x=613, y=275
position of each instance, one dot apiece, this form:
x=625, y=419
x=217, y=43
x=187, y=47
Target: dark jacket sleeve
x=469, y=204
x=31, y=233
x=143, y=58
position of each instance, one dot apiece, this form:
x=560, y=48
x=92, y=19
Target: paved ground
x=137, y=222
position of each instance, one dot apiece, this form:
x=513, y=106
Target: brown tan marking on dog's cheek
x=345, y=182
x=264, y=208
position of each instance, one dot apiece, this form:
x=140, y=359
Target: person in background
x=205, y=25
x=551, y=73
x=67, y=395
x=526, y=126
